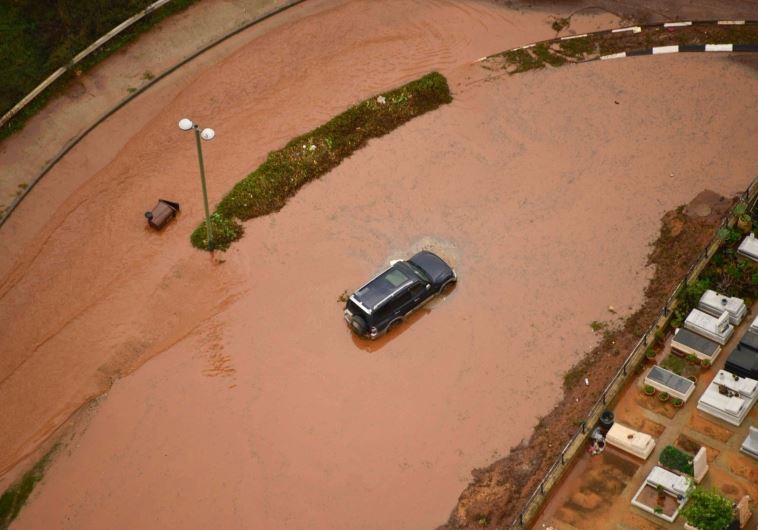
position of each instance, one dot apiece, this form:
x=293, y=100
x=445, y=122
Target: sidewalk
x=86, y=99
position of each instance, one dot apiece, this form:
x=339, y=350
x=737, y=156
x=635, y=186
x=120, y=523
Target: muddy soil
x=541, y=187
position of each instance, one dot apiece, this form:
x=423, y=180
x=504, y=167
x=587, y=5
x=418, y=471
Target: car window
x=418, y=290
x=402, y=299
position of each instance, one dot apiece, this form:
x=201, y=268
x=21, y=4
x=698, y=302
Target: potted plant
x=650, y=355
x=649, y=390
x=705, y=363
x=661, y=494
x=663, y=397
x=744, y=221
x=678, y=403
x=692, y=358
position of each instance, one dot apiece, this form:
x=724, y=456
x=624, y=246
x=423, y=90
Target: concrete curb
x=649, y=51
x=74, y=141
x=681, y=49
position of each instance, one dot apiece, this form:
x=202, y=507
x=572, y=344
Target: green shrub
x=673, y=458
x=14, y=498
x=707, y=510
x=313, y=154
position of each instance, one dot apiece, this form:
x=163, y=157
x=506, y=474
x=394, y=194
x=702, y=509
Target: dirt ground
x=540, y=187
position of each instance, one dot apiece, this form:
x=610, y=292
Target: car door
x=402, y=304
x=418, y=294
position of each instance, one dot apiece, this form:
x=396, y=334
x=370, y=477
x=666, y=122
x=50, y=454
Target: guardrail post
x=542, y=487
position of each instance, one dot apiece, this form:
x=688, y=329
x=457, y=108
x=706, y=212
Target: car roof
x=384, y=285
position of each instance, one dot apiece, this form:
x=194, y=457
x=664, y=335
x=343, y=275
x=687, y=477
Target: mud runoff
x=263, y=410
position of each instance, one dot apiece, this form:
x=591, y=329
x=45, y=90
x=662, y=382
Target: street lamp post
x=186, y=124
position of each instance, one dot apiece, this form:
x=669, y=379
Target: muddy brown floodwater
x=262, y=410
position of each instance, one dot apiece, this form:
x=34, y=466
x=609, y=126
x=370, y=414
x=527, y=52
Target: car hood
x=438, y=270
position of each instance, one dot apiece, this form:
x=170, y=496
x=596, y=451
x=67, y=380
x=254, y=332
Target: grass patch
x=15, y=496
x=313, y=154
x=546, y=55
x=522, y=60
x=577, y=48
x=674, y=458
x=674, y=364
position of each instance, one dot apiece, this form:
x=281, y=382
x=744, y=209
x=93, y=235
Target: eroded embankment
x=499, y=492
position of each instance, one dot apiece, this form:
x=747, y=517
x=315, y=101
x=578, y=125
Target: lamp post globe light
x=186, y=124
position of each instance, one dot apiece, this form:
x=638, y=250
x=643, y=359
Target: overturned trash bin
x=161, y=213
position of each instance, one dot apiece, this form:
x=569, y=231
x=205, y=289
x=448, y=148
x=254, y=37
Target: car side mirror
x=428, y=286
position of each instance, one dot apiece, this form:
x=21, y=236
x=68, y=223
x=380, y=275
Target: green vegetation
x=40, y=38
x=649, y=390
x=313, y=154
x=707, y=510
x=674, y=364
x=16, y=495
x=673, y=458
x=560, y=23
x=545, y=54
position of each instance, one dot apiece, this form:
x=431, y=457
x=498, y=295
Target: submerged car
x=386, y=300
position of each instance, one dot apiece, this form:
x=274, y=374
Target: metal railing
x=612, y=389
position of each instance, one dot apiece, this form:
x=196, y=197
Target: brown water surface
x=264, y=411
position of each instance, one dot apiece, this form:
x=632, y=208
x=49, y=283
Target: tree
x=707, y=510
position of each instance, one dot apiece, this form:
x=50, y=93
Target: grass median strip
x=315, y=153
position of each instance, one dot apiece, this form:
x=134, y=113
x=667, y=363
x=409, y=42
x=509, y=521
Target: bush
x=707, y=510
x=663, y=396
x=677, y=402
x=649, y=390
x=313, y=154
x=673, y=458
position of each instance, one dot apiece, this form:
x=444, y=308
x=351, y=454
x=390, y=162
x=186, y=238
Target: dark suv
x=394, y=294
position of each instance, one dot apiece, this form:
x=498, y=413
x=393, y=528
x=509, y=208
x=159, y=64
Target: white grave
x=715, y=303
x=746, y=387
x=717, y=329
x=754, y=325
x=725, y=405
x=700, y=465
x=743, y=510
x=674, y=484
x=750, y=445
x=749, y=247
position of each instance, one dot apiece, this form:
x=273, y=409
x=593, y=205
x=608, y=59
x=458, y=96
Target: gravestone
x=700, y=465
x=743, y=511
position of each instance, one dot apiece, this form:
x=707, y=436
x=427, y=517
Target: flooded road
x=262, y=410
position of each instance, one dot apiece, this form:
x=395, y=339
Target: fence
x=79, y=58
x=569, y=452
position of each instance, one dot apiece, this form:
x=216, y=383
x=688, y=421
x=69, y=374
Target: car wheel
x=446, y=287
x=359, y=325
x=394, y=324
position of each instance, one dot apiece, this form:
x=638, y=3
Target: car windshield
x=420, y=272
